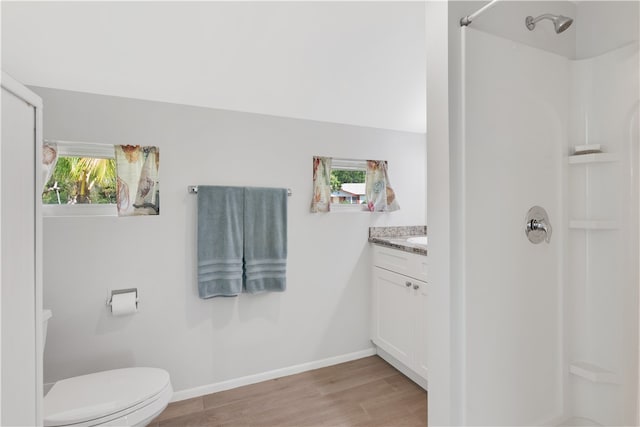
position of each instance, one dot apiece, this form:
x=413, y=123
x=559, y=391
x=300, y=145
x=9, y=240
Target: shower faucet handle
x=534, y=224
x=538, y=227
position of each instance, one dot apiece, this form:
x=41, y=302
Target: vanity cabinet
x=399, y=308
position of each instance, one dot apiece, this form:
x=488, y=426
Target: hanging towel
x=265, y=239
x=220, y=241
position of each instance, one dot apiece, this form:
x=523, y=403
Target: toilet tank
x=46, y=315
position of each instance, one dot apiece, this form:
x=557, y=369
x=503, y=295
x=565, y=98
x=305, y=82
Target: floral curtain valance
x=380, y=196
x=49, y=160
x=138, y=187
x=321, y=201
x=379, y=193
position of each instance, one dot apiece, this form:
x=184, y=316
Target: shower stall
x=547, y=113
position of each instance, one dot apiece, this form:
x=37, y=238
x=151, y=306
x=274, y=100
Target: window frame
x=349, y=165
x=81, y=149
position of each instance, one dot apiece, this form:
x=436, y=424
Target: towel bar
x=193, y=189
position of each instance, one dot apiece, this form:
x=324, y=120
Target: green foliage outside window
x=81, y=180
x=339, y=177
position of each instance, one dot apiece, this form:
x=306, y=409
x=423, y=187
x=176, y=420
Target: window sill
x=340, y=207
x=79, y=210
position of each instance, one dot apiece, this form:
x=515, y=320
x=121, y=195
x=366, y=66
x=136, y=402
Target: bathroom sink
x=418, y=240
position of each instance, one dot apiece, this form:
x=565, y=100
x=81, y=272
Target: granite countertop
x=396, y=238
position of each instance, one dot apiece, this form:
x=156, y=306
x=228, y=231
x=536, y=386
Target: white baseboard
x=269, y=375
x=402, y=368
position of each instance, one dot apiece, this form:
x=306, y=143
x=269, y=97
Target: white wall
x=21, y=260
x=605, y=25
x=360, y=63
x=512, y=289
x=506, y=19
x=598, y=27
x=600, y=259
x=438, y=209
x=323, y=313
x=602, y=290
x=484, y=363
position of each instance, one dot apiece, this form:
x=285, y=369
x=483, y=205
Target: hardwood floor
x=365, y=392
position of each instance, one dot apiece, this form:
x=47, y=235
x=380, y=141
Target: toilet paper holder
x=122, y=291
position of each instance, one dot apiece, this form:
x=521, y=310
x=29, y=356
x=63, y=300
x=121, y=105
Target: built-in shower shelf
x=593, y=373
x=585, y=224
x=593, y=158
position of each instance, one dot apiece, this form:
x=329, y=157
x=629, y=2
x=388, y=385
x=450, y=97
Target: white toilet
x=120, y=397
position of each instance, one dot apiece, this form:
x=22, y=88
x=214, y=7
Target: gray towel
x=220, y=241
x=265, y=239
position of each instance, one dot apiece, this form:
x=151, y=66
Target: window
x=83, y=181
x=329, y=191
x=348, y=184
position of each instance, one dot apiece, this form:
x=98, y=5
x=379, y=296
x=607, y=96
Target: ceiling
x=359, y=63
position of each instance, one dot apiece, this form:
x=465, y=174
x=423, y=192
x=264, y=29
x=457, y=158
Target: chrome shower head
x=560, y=22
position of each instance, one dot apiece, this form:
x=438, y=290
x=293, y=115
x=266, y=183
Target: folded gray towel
x=265, y=239
x=220, y=240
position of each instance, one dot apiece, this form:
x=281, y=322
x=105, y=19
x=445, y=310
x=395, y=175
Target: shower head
x=560, y=22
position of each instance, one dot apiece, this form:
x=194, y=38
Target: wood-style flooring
x=365, y=392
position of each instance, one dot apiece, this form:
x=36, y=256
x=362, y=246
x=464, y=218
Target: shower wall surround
x=601, y=303
x=513, y=318
x=563, y=316
x=324, y=313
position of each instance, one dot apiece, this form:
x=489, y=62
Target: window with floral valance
x=371, y=190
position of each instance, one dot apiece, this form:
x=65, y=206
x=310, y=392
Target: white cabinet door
x=421, y=329
x=393, y=322
x=399, y=307
x=21, y=368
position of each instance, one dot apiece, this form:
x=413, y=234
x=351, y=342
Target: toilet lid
x=88, y=397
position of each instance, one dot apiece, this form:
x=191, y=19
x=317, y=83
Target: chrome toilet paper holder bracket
x=122, y=291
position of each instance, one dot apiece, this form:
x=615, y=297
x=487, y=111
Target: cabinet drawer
x=406, y=263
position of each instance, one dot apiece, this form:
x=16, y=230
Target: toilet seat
x=130, y=396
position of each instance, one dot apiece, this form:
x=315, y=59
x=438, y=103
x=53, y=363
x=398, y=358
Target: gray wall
x=323, y=313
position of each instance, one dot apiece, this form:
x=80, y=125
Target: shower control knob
x=407, y=284
x=416, y=287
x=537, y=225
